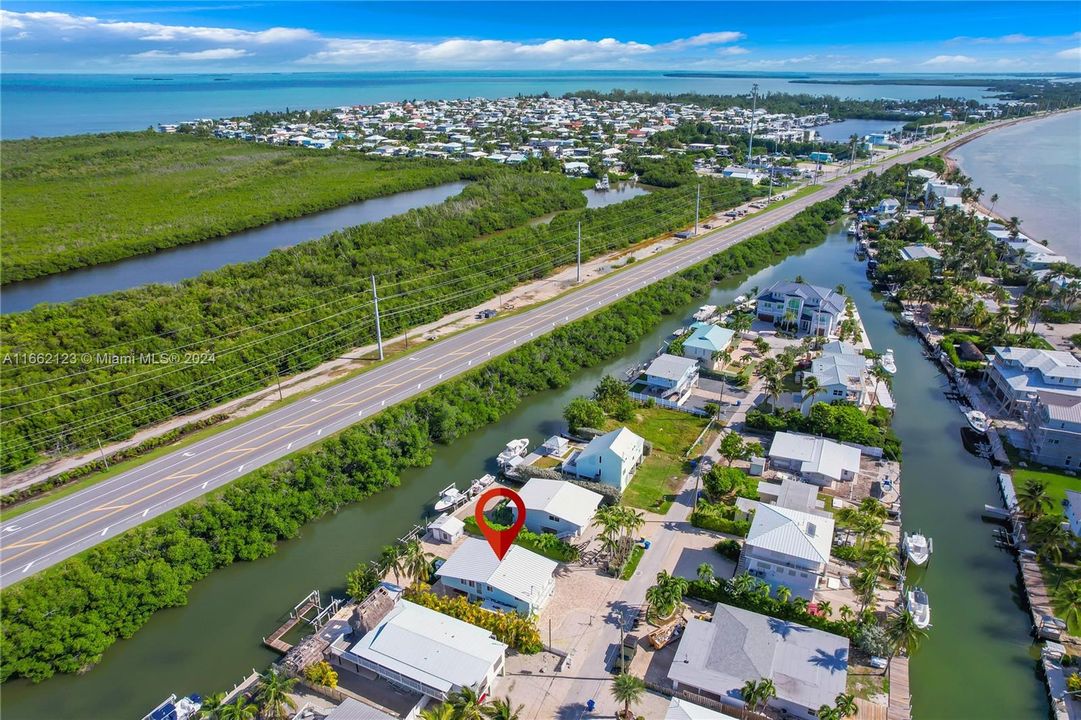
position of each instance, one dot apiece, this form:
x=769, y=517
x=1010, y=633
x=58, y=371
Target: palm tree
x=874, y=508
x=881, y=558
x=273, y=695
x=845, y=705
x=741, y=584
x=239, y=709
x=825, y=609
x=865, y=582
x=667, y=594
x=881, y=375
x=466, y=705
x=416, y=563
x=904, y=634
x=442, y=711
x=390, y=559
x=211, y=707
x=1067, y=602
x=628, y=690
x=1033, y=498
x=774, y=387
x=784, y=594
x=994, y=199
x=630, y=520
x=502, y=709
x=757, y=693
x=846, y=613
x=828, y=712
x=811, y=388
x=705, y=573
x=1050, y=538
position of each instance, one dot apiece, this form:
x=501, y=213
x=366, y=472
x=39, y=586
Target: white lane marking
x=319, y=432
x=315, y=400
x=289, y=446
x=240, y=469
x=12, y=528
x=145, y=512
x=205, y=484
x=104, y=531
x=189, y=454
x=28, y=565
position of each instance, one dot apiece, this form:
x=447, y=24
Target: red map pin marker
x=500, y=540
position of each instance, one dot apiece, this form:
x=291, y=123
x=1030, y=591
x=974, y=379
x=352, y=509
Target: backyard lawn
x=671, y=433
x=1057, y=483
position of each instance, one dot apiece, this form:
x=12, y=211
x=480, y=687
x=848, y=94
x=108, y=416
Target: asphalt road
x=45, y=536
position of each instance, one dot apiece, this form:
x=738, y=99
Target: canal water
x=976, y=663
x=842, y=131
x=174, y=264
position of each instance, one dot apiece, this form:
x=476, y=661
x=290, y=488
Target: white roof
x=521, y=573
x=818, y=455
x=562, y=499
x=622, y=442
x=791, y=532
x=449, y=524
x=430, y=647
x=670, y=367
x=680, y=709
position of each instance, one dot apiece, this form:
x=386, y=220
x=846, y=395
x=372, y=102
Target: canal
x=975, y=664
x=172, y=265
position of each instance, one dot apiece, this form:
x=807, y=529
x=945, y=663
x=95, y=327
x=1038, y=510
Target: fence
x=661, y=402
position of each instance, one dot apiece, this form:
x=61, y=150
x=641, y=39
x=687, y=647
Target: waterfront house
x=1072, y=508
x=421, y=650
x=787, y=547
x=815, y=459
x=558, y=507
x=887, y=206
x=1017, y=376
x=842, y=374
x=446, y=529
x=805, y=308
x=921, y=252
x=1053, y=430
x=671, y=378
x=610, y=459
x=704, y=341
x=522, y=581
x=715, y=659
x=936, y=193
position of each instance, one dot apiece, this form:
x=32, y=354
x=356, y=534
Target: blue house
x=704, y=340
x=522, y=581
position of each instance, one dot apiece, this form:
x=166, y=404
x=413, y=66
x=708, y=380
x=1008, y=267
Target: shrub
x=714, y=592
x=721, y=482
x=712, y=517
x=511, y=628
x=729, y=548
x=321, y=673
x=583, y=413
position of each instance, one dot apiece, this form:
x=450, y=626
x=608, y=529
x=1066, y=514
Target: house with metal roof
x=423, y=651
x=680, y=709
x=610, y=459
x=670, y=377
x=787, y=547
x=705, y=340
x=921, y=252
x=1017, y=376
x=804, y=308
x=842, y=374
x=1053, y=430
x=558, y=507
x=522, y=581
x=808, y=667
x=815, y=459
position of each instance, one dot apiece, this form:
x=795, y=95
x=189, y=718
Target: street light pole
x=697, y=205
x=579, y=277
x=378, y=330
x=754, y=106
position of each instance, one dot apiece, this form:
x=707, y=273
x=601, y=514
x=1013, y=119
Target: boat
x=909, y=317
x=173, y=709
x=514, y=449
x=448, y=498
x=634, y=178
x=918, y=548
x=705, y=313
x=480, y=483
x=978, y=421
x=887, y=362
x=853, y=229
x=602, y=184
x=917, y=603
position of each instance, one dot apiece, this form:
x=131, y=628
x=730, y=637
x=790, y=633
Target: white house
x=1073, y=511
x=558, y=507
x=920, y=252
x=522, y=581
x=671, y=377
x=1053, y=430
x=787, y=547
x=842, y=374
x=447, y=528
x=424, y=651
x=887, y=206
x=816, y=459
x=1017, y=376
x=741, y=173
x=705, y=340
x=610, y=459
x=808, y=667
x=807, y=308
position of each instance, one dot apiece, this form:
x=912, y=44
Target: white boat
x=173, y=709
x=908, y=316
x=918, y=548
x=514, y=449
x=853, y=228
x=480, y=483
x=887, y=362
x=448, y=498
x=920, y=607
x=602, y=184
x=705, y=313
x=978, y=421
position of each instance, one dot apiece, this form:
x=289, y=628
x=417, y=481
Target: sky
x=208, y=36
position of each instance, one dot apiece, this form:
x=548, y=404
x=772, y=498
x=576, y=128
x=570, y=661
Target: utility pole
x=102, y=451
x=768, y=199
x=697, y=205
x=278, y=382
x=378, y=330
x=579, y=277
x=754, y=106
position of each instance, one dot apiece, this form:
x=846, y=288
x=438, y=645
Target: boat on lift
x=853, y=229
x=449, y=497
x=186, y=708
x=917, y=603
x=603, y=184
x=514, y=449
x=705, y=313
x=887, y=362
x=978, y=421
x=480, y=483
x=918, y=548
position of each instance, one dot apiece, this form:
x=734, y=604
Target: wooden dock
x=900, y=707
x=299, y=614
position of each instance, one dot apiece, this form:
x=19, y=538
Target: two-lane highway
x=53, y=532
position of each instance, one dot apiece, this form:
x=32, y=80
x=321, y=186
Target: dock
x=900, y=707
x=309, y=610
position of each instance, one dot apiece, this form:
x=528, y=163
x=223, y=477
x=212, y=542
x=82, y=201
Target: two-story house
x=801, y=307
x=1017, y=376
x=814, y=459
x=610, y=459
x=705, y=341
x=1053, y=429
x=522, y=581
x=842, y=374
x=671, y=378
x=787, y=547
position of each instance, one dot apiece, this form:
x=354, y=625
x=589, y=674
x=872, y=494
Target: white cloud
x=212, y=54
x=709, y=38
x=1011, y=39
x=1069, y=54
x=733, y=50
x=951, y=60
x=882, y=61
